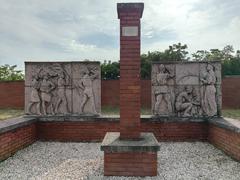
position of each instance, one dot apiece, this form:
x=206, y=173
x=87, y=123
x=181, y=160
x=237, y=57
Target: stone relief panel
x=49, y=89
x=208, y=81
x=187, y=74
x=186, y=89
x=87, y=88
x=163, y=80
x=188, y=101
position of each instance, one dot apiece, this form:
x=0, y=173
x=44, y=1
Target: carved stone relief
x=188, y=101
x=208, y=81
x=163, y=93
x=86, y=81
x=194, y=90
x=49, y=88
x=187, y=74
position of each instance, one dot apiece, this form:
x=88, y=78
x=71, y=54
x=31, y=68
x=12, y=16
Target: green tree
x=200, y=55
x=9, y=73
x=175, y=52
x=110, y=70
x=146, y=66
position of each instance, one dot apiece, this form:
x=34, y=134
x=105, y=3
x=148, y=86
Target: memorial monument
x=130, y=152
x=186, y=89
x=62, y=88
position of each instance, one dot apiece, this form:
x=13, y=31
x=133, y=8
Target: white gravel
x=54, y=160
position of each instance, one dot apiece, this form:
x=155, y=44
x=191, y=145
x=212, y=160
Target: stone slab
x=115, y=118
x=191, y=89
x=14, y=123
x=226, y=123
x=112, y=143
x=63, y=88
x=130, y=31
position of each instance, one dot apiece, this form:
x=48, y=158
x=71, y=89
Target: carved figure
x=183, y=102
x=46, y=87
x=196, y=109
x=34, y=97
x=86, y=84
x=62, y=82
x=209, y=91
x=162, y=94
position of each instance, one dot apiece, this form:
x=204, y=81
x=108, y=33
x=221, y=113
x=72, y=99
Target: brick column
x=130, y=104
x=130, y=153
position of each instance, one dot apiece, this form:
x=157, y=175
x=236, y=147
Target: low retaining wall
x=18, y=133
x=95, y=131
x=226, y=137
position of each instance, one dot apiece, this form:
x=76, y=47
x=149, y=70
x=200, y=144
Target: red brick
x=130, y=164
x=16, y=139
x=226, y=140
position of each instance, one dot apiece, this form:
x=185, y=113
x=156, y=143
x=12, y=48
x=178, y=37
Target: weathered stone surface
x=187, y=74
x=112, y=143
x=14, y=123
x=62, y=88
x=130, y=31
x=186, y=89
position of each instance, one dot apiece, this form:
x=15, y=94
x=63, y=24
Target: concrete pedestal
x=130, y=158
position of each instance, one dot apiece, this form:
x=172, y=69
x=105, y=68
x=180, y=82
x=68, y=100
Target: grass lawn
x=10, y=113
x=231, y=113
x=109, y=110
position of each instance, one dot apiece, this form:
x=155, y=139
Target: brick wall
x=14, y=140
x=95, y=131
x=130, y=164
x=110, y=93
x=75, y=131
x=12, y=93
x=231, y=92
x=226, y=140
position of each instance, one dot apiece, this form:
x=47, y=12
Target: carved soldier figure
x=209, y=92
x=35, y=98
x=86, y=84
x=45, y=89
x=162, y=93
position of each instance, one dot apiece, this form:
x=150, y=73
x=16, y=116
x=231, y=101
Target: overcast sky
x=41, y=30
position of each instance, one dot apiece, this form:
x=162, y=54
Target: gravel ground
x=54, y=160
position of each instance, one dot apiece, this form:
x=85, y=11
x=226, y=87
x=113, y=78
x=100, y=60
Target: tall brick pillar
x=130, y=152
x=129, y=15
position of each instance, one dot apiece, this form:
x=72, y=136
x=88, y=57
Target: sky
x=70, y=30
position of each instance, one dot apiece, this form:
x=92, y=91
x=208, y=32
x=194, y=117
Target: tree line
x=177, y=52
x=229, y=58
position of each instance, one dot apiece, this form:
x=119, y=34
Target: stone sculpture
x=86, y=85
x=35, y=97
x=187, y=102
x=62, y=82
x=49, y=88
x=209, y=92
x=162, y=94
x=192, y=92
x=183, y=102
x=46, y=88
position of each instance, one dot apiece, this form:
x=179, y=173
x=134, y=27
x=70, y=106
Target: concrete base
x=130, y=158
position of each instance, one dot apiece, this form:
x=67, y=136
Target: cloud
x=78, y=30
